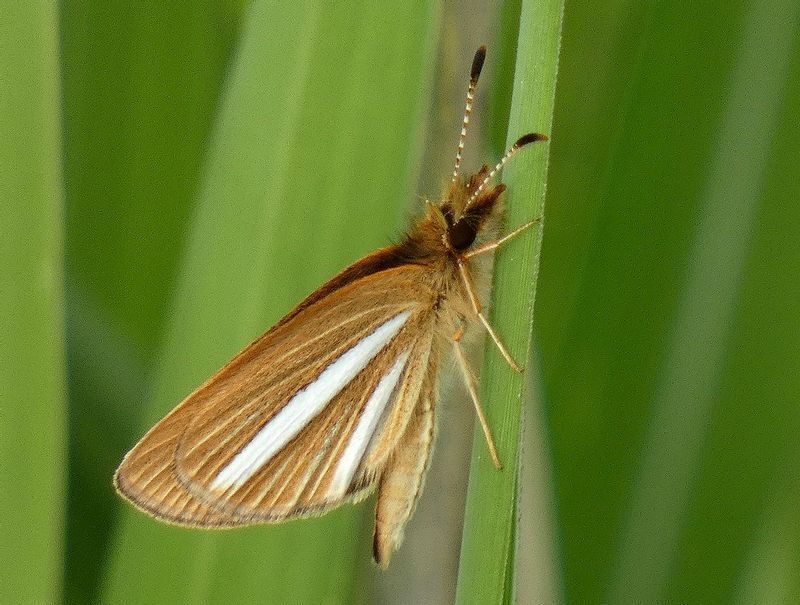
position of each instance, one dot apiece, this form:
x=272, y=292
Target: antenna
x=524, y=140
x=475, y=72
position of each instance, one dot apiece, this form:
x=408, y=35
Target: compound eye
x=461, y=235
x=447, y=211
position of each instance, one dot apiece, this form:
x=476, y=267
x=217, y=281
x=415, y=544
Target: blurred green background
x=173, y=177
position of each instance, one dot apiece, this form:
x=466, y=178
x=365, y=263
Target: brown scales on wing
x=168, y=474
x=403, y=478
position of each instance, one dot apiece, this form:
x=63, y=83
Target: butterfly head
x=465, y=214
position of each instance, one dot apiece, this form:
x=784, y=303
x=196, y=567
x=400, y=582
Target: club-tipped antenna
x=524, y=140
x=474, y=74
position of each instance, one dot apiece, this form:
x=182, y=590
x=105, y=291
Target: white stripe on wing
x=354, y=452
x=305, y=405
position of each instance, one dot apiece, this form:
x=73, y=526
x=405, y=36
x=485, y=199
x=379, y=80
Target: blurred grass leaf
x=32, y=379
x=686, y=391
x=141, y=86
x=644, y=95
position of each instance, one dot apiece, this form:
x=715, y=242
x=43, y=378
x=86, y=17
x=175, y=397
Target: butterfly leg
x=478, y=310
x=469, y=379
x=489, y=246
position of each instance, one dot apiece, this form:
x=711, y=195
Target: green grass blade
x=324, y=104
x=486, y=551
x=33, y=409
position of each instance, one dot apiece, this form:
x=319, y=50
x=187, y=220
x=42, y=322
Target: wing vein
x=305, y=405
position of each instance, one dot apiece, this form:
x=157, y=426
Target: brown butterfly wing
x=403, y=477
x=170, y=473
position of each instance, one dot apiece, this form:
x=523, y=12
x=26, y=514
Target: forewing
x=290, y=426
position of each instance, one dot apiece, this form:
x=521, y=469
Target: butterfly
x=338, y=399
